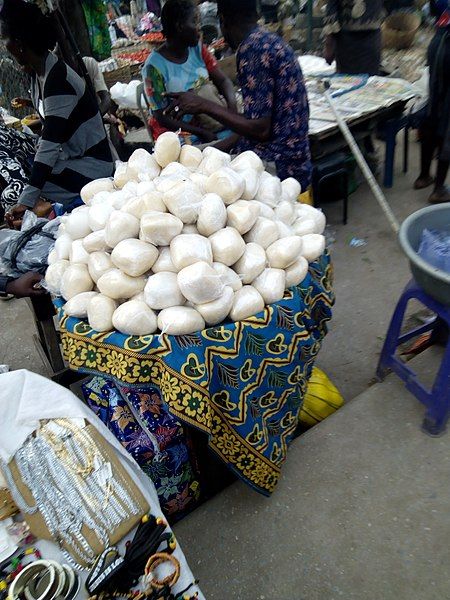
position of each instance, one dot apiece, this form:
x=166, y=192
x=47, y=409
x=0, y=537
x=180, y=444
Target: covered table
x=242, y=384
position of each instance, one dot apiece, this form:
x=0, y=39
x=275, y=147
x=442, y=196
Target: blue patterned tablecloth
x=241, y=383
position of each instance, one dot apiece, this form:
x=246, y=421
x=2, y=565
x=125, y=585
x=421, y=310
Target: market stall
x=368, y=105
x=358, y=98
x=212, y=294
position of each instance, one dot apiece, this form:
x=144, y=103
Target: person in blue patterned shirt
x=276, y=112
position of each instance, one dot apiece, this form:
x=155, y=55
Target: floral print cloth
x=272, y=85
x=17, y=151
x=97, y=23
x=154, y=438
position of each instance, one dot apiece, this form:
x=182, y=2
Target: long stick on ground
x=373, y=184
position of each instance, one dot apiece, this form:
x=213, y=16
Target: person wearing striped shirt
x=73, y=149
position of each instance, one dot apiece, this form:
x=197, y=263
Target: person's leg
x=427, y=149
x=441, y=191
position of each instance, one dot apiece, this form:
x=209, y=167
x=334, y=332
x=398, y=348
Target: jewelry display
x=114, y=577
x=108, y=573
x=154, y=562
x=44, y=580
x=75, y=489
x=105, y=568
x=10, y=569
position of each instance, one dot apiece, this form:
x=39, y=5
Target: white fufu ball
x=100, y=313
x=247, y=302
x=199, y=283
x=291, y=189
x=118, y=285
x=264, y=232
x=217, y=311
x=95, y=242
x=99, y=215
x=184, y=200
x=120, y=226
x=139, y=205
x=187, y=249
x=271, y=284
x=54, y=275
x=282, y=253
x=164, y=261
x=297, y=272
x=251, y=263
x=228, y=276
x=77, y=224
x=78, y=305
x=227, y=183
x=135, y=318
x=92, y=188
x=167, y=148
x=212, y=215
x=75, y=280
x=242, y=215
x=134, y=257
x=313, y=246
x=99, y=263
x=162, y=291
x=180, y=320
x=191, y=157
x=227, y=246
x=159, y=229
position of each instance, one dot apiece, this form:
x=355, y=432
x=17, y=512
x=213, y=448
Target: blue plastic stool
x=390, y=129
x=436, y=400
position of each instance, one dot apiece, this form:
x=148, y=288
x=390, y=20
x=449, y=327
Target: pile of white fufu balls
x=182, y=239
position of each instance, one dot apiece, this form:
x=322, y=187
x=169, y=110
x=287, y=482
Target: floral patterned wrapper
x=154, y=438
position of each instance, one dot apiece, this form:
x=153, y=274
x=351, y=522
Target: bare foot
x=441, y=194
x=423, y=182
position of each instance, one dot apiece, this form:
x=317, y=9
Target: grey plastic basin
x=433, y=281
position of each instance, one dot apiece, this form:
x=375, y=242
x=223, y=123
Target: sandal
x=440, y=195
x=423, y=182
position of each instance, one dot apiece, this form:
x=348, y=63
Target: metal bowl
x=435, y=282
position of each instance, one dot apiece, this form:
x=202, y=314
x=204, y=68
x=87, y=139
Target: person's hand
x=184, y=103
x=208, y=136
x=42, y=208
x=20, y=103
x=110, y=119
x=329, y=51
x=14, y=216
x=26, y=286
x=232, y=105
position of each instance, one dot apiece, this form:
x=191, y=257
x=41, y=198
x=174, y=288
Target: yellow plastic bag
x=306, y=198
x=322, y=399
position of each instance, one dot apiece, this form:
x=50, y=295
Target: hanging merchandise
x=97, y=23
